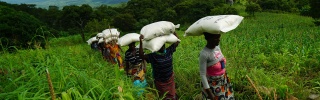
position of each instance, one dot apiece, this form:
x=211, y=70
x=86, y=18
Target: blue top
x=162, y=64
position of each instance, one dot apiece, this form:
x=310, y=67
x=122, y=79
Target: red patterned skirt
x=167, y=88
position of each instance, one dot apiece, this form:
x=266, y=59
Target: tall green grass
x=279, y=52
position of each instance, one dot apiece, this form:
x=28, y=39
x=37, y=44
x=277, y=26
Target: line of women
x=212, y=66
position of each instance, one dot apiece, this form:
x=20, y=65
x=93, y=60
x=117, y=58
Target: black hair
x=207, y=35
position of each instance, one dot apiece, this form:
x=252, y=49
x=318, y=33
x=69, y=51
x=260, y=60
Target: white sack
x=214, y=24
x=159, y=28
x=100, y=35
x=100, y=40
x=110, y=32
x=128, y=38
x=106, y=40
x=91, y=40
x=156, y=43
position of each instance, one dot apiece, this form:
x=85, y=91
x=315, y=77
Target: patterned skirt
x=221, y=87
x=137, y=72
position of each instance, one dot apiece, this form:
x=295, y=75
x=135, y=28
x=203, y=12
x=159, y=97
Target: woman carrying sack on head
x=162, y=69
x=115, y=54
x=135, y=68
x=106, y=52
x=216, y=83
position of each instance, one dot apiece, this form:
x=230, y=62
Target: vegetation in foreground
x=279, y=52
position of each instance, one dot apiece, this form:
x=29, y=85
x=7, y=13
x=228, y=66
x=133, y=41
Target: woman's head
x=161, y=50
x=132, y=45
x=212, y=39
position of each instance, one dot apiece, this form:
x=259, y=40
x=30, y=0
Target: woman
x=115, y=53
x=94, y=45
x=162, y=69
x=105, y=49
x=135, y=67
x=213, y=74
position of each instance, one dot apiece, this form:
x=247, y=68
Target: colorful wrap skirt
x=137, y=72
x=221, y=87
x=167, y=88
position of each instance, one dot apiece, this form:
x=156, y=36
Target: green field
x=279, y=52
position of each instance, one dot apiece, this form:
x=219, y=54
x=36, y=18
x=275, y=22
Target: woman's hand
x=141, y=37
x=210, y=94
x=141, y=54
x=175, y=33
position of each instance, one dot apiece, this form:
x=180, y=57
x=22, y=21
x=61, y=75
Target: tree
x=192, y=10
x=278, y=5
x=150, y=14
x=95, y=26
x=251, y=8
x=315, y=11
x=146, y=9
x=104, y=12
x=51, y=16
x=224, y=10
x=77, y=17
x=169, y=15
x=18, y=27
x=124, y=22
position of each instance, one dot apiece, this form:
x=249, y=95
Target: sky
x=47, y=3
x=21, y=1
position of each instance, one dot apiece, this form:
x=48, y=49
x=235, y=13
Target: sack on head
x=157, y=29
x=100, y=35
x=107, y=40
x=91, y=40
x=111, y=33
x=214, y=25
x=156, y=43
x=100, y=40
x=128, y=38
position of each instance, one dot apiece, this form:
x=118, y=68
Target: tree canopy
x=127, y=17
x=17, y=28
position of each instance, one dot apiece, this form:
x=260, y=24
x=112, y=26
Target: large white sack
x=100, y=35
x=91, y=40
x=128, y=38
x=159, y=28
x=110, y=32
x=100, y=40
x=214, y=25
x=156, y=43
x=107, y=40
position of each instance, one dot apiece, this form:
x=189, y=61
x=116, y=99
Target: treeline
x=24, y=25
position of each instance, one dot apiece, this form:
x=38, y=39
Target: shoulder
x=127, y=50
x=203, y=53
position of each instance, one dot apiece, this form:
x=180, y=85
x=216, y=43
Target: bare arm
x=203, y=73
x=210, y=94
x=177, y=43
x=141, y=54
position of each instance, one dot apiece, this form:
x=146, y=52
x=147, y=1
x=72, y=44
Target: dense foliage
x=315, y=10
x=279, y=52
x=133, y=15
x=18, y=28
